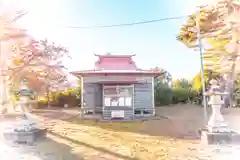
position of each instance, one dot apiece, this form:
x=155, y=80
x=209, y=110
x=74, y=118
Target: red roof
x=115, y=62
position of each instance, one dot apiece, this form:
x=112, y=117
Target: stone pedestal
x=211, y=138
x=23, y=130
x=25, y=137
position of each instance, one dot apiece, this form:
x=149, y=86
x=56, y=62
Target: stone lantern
x=24, y=129
x=217, y=130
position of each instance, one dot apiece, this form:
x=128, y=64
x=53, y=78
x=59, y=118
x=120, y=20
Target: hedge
x=163, y=96
x=167, y=96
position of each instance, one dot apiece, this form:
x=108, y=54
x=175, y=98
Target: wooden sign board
x=117, y=114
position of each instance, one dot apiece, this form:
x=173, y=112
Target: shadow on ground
x=47, y=149
x=161, y=127
x=98, y=149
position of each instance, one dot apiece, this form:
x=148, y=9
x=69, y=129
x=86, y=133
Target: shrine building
x=117, y=89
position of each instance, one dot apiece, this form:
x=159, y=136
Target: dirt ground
x=170, y=136
x=173, y=135
x=178, y=121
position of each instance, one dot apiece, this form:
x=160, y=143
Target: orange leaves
x=186, y=35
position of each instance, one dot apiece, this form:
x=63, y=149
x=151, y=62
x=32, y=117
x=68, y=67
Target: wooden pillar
x=94, y=107
x=103, y=100
x=153, y=96
x=133, y=99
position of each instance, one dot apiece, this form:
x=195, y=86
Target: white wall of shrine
x=120, y=78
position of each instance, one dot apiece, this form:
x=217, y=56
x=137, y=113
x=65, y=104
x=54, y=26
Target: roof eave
x=154, y=74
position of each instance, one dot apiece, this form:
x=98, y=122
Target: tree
x=220, y=29
x=162, y=84
x=181, y=83
x=41, y=62
x=210, y=21
x=8, y=34
x=215, y=31
x=165, y=79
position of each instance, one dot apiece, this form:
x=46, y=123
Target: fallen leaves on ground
x=118, y=141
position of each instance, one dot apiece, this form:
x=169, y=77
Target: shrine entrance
x=116, y=98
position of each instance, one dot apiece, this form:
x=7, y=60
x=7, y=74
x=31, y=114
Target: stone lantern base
x=23, y=131
x=213, y=138
x=25, y=137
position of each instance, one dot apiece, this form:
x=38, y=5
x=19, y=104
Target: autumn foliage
x=40, y=62
x=215, y=34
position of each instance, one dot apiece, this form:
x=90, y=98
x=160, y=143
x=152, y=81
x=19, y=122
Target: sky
x=154, y=44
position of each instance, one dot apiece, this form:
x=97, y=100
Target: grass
x=113, y=141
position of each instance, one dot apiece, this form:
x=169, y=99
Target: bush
x=163, y=96
x=167, y=96
x=42, y=103
x=183, y=95
x=58, y=99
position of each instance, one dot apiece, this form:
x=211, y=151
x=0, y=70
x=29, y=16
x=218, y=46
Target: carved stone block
x=213, y=138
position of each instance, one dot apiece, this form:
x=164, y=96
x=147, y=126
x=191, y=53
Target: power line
x=127, y=24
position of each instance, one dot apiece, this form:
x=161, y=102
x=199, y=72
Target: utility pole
x=202, y=67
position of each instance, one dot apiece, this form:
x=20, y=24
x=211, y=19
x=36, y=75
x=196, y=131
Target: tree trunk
x=48, y=98
x=5, y=98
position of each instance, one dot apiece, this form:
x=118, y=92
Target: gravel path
x=50, y=148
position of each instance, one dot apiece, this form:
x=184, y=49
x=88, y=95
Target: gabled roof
x=115, y=62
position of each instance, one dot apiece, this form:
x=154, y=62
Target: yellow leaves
x=217, y=43
x=197, y=82
x=203, y=15
x=68, y=92
x=177, y=83
x=213, y=55
x=191, y=22
x=18, y=62
x=215, y=59
x=207, y=18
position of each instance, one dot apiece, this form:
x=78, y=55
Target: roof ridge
x=112, y=55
